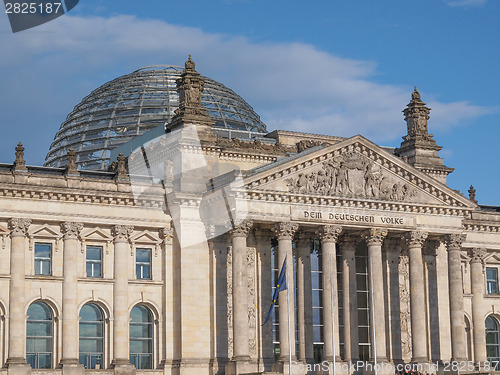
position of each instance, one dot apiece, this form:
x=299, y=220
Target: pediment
x=97, y=234
x=355, y=168
x=145, y=237
x=44, y=231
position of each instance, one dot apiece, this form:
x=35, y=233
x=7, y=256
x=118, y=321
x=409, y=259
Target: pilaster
x=16, y=361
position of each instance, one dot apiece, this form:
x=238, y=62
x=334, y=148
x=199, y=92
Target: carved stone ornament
x=166, y=234
x=454, y=241
x=121, y=168
x=71, y=166
x=329, y=233
x=243, y=229
x=121, y=232
x=351, y=175
x=19, y=163
x=285, y=230
x=374, y=236
x=416, y=238
x=477, y=255
x=71, y=229
x=309, y=143
x=19, y=227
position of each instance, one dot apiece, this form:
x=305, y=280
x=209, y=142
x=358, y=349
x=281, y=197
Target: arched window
x=492, y=344
x=141, y=337
x=39, y=334
x=91, y=336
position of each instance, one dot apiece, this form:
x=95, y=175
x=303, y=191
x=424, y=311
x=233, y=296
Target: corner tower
x=418, y=146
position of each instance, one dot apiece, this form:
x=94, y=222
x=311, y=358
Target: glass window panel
x=39, y=328
x=364, y=335
x=143, y=255
x=42, y=250
x=94, y=252
x=363, y=317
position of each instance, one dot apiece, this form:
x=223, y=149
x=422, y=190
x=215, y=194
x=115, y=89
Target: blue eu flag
x=280, y=285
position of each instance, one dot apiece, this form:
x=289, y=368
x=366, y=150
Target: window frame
x=151, y=328
x=101, y=339
x=93, y=262
x=142, y=265
x=42, y=259
x=490, y=281
x=40, y=337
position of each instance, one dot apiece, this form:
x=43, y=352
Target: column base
x=382, y=368
x=194, y=366
x=282, y=367
x=18, y=366
x=123, y=367
x=238, y=366
x=72, y=367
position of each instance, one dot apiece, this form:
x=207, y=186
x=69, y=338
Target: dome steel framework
x=133, y=104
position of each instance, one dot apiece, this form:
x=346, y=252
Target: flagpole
x=373, y=319
x=289, y=325
x=333, y=313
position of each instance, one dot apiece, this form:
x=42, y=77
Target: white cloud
x=291, y=85
x=466, y=3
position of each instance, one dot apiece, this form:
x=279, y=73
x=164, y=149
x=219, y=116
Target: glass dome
x=133, y=104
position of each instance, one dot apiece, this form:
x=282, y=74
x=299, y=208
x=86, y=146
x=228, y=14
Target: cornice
x=77, y=195
x=402, y=207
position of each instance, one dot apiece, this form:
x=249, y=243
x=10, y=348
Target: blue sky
x=327, y=67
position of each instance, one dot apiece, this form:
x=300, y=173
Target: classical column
x=374, y=238
x=477, y=280
x=284, y=233
x=70, y=231
x=17, y=324
x=430, y=251
x=121, y=234
x=241, y=351
x=415, y=241
x=350, y=298
x=458, y=350
x=329, y=235
x=304, y=298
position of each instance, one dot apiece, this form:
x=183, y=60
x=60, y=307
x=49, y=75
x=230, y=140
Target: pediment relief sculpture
x=352, y=175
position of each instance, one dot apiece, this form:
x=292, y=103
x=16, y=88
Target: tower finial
x=189, y=64
x=472, y=194
x=415, y=95
x=19, y=163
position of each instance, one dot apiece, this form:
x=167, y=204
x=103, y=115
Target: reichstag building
x=152, y=238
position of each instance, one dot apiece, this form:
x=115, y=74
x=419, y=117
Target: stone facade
x=431, y=254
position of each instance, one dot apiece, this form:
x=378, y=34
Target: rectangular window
x=492, y=280
x=94, y=261
x=143, y=263
x=43, y=258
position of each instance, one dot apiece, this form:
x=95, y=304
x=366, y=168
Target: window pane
x=39, y=327
x=43, y=250
x=97, y=270
x=143, y=255
x=94, y=252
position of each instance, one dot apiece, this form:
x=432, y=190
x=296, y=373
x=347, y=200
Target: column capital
x=477, y=255
x=416, y=238
x=393, y=244
x=121, y=233
x=454, y=241
x=19, y=227
x=374, y=236
x=285, y=230
x=348, y=243
x=71, y=229
x=430, y=247
x=166, y=234
x=243, y=229
x=329, y=233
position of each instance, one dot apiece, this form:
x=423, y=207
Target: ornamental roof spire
x=418, y=146
x=19, y=163
x=190, y=87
